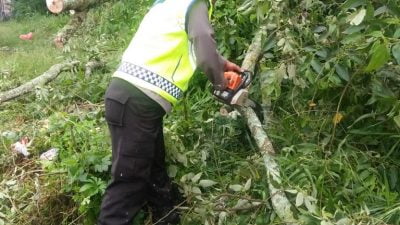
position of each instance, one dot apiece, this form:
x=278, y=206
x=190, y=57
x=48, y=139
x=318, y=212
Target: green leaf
x=381, y=10
x=246, y=4
x=187, y=177
x=206, y=183
x=396, y=53
x=323, y=53
x=379, y=56
x=395, y=21
x=342, y=72
x=196, y=190
x=235, y=187
x=397, y=33
x=281, y=42
x=397, y=120
x=353, y=38
x=247, y=185
x=196, y=177
x=370, y=11
x=354, y=29
x=85, y=187
x=393, y=176
x=182, y=159
x=316, y=65
x=377, y=34
x=292, y=191
x=172, y=170
x=319, y=29
x=299, y=199
x=357, y=17
x=291, y=70
x=101, y=167
x=271, y=43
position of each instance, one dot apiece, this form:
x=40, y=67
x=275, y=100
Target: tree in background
x=5, y=9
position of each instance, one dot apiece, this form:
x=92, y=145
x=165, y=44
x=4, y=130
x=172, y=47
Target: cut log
x=46, y=77
x=58, y=6
x=280, y=202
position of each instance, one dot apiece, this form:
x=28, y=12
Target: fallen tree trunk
x=49, y=75
x=58, y=6
x=66, y=32
x=280, y=203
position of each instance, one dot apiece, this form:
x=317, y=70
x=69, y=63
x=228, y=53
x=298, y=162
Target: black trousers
x=138, y=153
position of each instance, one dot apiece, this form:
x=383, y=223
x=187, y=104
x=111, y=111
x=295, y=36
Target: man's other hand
x=230, y=66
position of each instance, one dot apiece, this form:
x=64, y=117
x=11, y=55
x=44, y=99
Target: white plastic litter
x=21, y=146
x=50, y=155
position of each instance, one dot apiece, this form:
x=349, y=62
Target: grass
x=25, y=60
x=28, y=115
x=21, y=61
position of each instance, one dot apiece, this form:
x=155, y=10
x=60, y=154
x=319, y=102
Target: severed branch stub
x=280, y=202
x=46, y=77
x=91, y=66
x=69, y=29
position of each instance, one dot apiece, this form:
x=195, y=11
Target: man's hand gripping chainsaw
x=235, y=92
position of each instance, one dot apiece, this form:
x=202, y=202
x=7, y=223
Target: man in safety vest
x=173, y=39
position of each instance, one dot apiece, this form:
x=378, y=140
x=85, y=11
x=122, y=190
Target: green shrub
x=27, y=8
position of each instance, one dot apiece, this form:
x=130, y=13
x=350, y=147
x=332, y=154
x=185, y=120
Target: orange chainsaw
x=236, y=92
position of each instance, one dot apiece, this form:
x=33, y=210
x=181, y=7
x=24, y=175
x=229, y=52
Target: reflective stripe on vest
x=161, y=47
x=151, y=78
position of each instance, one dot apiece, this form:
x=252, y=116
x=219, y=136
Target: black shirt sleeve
x=201, y=35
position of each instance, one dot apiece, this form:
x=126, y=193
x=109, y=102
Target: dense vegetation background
x=329, y=75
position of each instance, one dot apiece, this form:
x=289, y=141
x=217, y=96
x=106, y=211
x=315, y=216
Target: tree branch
x=280, y=203
x=46, y=77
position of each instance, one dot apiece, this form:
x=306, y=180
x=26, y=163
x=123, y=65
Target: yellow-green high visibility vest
x=160, y=56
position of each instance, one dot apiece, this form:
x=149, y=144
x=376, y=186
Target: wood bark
x=46, y=77
x=5, y=9
x=280, y=202
x=92, y=65
x=7, y=49
x=68, y=30
x=58, y=6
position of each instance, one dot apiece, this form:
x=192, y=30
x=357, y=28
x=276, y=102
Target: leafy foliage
x=332, y=80
x=328, y=83
x=28, y=8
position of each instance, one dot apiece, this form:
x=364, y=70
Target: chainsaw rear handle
x=234, y=80
x=237, y=81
